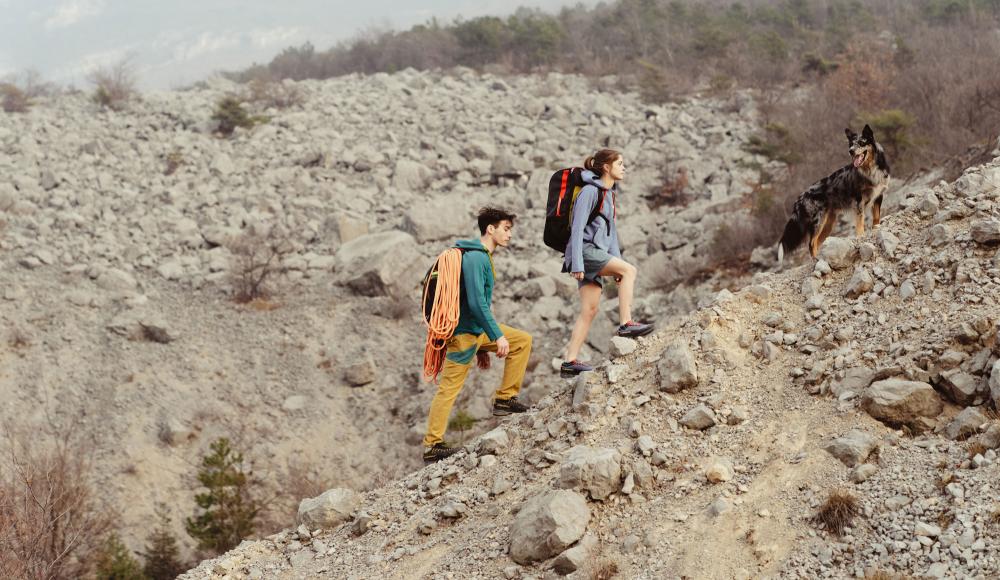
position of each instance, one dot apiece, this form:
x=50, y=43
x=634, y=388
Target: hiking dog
x=853, y=186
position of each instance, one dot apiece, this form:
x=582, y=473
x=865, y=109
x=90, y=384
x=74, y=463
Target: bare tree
x=258, y=256
x=114, y=85
x=51, y=525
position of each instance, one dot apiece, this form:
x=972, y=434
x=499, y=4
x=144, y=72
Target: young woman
x=593, y=252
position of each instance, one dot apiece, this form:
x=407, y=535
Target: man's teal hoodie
x=476, y=297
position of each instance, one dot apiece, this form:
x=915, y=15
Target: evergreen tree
x=162, y=561
x=228, y=510
x=115, y=562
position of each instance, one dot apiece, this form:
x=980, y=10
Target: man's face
x=502, y=233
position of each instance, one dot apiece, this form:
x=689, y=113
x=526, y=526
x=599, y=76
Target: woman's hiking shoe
x=574, y=367
x=502, y=407
x=439, y=452
x=633, y=329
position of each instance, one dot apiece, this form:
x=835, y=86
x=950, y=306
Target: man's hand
x=483, y=360
x=577, y=275
x=503, y=347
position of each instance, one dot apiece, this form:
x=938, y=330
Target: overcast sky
x=174, y=43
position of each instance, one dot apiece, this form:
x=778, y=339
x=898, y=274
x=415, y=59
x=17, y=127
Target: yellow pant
x=461, y=354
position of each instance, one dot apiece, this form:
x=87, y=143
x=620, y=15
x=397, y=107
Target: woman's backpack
x=564, y=187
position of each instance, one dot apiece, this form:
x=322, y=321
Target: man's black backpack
x=564, y=187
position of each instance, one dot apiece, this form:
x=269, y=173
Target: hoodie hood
x=470, y=245
x=591, y=178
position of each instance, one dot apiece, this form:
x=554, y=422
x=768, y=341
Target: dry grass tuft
x=603, y=569
x=838, y=511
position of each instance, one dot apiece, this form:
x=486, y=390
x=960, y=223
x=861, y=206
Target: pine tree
x=162, y=561
x=115, y=562
x=228, y=509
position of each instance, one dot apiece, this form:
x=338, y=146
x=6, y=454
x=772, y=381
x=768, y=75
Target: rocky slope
x=116, y=263
x=706, y=449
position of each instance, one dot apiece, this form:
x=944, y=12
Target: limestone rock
x=986, y=231
x=622, y=346
x=595, y=471
x=576, y=557
x=372, y=265
x=678, y=370
x=966, y=423
x=838, y=252
x=852, y=448
x=720, y=470
x=547, y=524
x=328, y=510
x=494, y=441
x=361, y=373
x=860, y=283
x=898, y=401
x=963, y=388
x=700, y=418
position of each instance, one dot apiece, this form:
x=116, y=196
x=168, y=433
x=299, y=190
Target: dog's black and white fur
x=857, y=186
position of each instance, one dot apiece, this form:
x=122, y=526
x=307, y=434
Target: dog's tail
x=793, y=236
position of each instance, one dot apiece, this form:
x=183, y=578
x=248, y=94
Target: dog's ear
x=867, y=133
x=850, y=135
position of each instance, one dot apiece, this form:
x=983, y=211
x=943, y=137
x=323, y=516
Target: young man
x=478, y=334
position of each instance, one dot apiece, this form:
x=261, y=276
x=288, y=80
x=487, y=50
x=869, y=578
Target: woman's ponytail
x=597, y=161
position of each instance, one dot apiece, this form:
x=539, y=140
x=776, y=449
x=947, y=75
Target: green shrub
x=774, y=143
x=228, y=508
x=812, y=62
x=769, y=46
x=461, y=422
x=115, y=562
x=892, y=129
x=230, y=114
x=162, y=555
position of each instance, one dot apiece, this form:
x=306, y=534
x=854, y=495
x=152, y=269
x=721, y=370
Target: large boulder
x=410, y=175
x=856, y=380
x=852, y=448
x=963, y=388
x=440, y=219
x=994, y=384
x=838, y=252
x=678, y=370
x=329, y=510
x=372, y=265
x=986, y=231
x=898, y=401
x=966, y=424
x=547, y=524
x=597, y=471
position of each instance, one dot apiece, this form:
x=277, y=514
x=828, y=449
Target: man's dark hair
x=492, y=216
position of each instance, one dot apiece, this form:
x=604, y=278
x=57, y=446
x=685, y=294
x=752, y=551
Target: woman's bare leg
x=590, y=298
x=626, y=286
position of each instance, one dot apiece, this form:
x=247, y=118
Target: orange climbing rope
x=443, y=316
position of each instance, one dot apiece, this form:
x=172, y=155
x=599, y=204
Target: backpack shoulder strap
x=601, y=196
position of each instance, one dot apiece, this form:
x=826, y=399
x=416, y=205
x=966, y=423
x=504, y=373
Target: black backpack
x=430, y=283
x=564, y=187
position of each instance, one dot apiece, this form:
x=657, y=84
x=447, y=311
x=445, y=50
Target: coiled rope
x=443, y=317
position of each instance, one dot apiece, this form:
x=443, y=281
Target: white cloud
x=72, y=11
x=206, y=43
x=278, y=36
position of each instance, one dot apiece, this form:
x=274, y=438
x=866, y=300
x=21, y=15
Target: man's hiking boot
x=502, y=407
x=573, y=368
x=439, y=452
x=634, y=329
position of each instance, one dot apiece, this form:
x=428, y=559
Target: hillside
x=706, y=450
x=120, y=252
